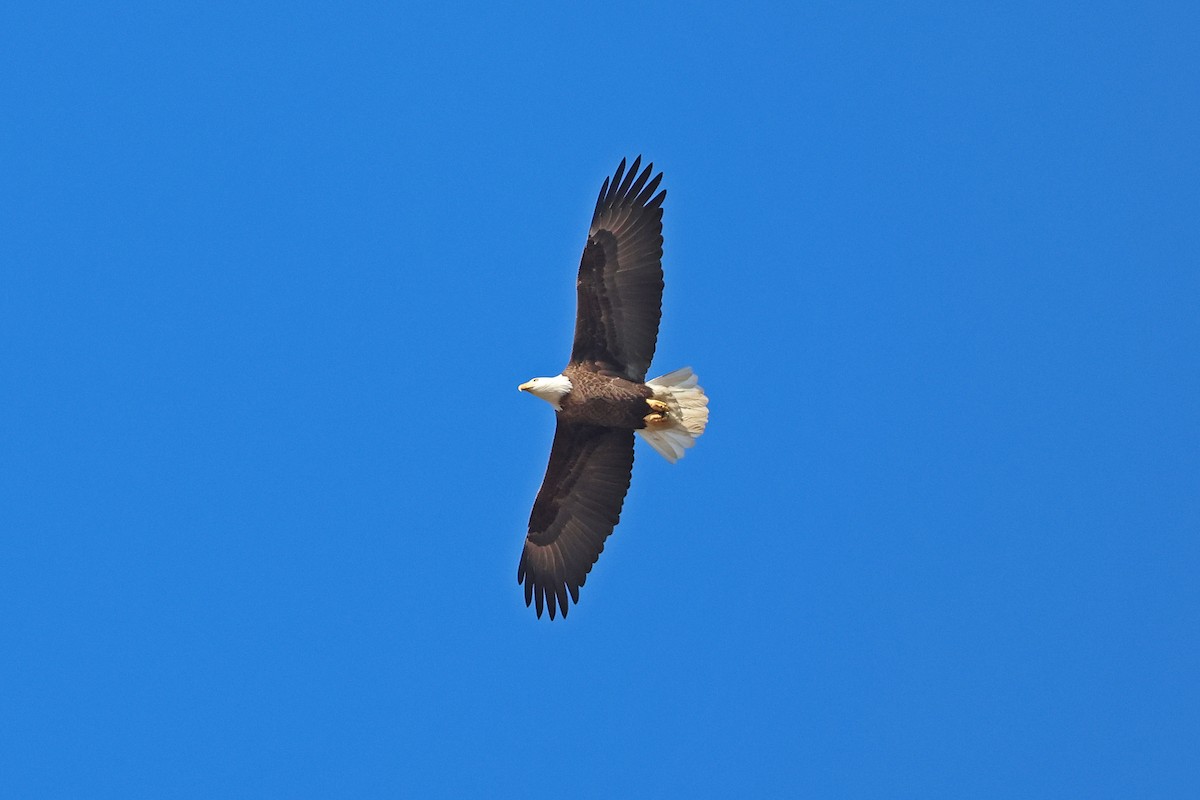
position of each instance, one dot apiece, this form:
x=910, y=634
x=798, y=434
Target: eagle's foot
x=659, y=416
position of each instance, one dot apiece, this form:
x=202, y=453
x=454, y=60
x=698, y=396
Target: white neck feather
x=552, y=390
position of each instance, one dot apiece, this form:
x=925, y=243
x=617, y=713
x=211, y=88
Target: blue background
x=271, y=276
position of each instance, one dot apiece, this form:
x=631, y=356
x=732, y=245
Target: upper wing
x=620, y=276
x=575, y=511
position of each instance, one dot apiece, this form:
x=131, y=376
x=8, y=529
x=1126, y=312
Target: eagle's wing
x=575, y=511
x=620, y=276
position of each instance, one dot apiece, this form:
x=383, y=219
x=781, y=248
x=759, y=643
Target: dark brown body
x=603, y=399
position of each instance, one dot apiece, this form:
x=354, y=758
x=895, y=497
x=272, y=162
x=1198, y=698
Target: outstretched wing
x=620, y=276
x=575, y=511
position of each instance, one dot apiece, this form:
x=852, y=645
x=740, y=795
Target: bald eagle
x=602, y=397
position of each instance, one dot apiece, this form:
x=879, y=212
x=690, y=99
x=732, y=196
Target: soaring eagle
x=602, y=397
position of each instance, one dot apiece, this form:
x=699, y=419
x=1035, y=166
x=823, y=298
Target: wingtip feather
x=616, y=178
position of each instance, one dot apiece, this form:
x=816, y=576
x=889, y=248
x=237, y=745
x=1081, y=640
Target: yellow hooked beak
x=525, y=387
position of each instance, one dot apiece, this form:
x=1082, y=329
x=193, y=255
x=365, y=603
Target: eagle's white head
x=552, y=390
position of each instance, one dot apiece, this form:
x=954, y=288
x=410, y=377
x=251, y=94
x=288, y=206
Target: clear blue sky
x=269, y=279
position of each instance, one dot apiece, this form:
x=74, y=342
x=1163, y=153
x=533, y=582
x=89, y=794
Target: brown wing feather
x=575, y=511
x=620, y=281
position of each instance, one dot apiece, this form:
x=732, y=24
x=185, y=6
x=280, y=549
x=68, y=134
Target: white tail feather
x=688, y=413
